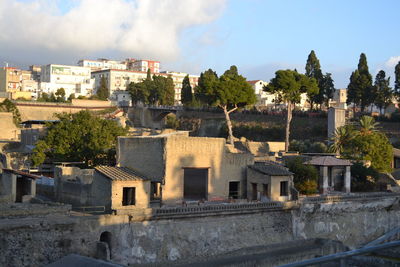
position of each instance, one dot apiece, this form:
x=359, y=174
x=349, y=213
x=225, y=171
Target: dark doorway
x=195, y=184
x=23, y=188
x=234, y=190
x=254, y=191
x=104, y=251
x=339, y=182
x=128, y=196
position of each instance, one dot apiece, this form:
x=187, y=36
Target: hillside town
x=193, y=156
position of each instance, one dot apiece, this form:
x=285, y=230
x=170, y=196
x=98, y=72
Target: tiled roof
x=253, y=81
x=270, y=169
x=328, y=161
x=120, y=173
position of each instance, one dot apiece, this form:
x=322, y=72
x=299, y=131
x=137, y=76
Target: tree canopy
x=305, y=177
x=364, y=142
x=360, y=90
x=186, y=93
x=102, y=91
x=397, y=81
x=8, y=106
x=382, y=90
x=289, y=85
x=156, y=90
x=229, y=92
x=60, y=95
x=79, y=137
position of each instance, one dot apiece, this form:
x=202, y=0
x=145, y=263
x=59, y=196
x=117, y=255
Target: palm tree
x=368, y=125
x=343, y=136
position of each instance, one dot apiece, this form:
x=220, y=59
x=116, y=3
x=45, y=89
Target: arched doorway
x=104, y=246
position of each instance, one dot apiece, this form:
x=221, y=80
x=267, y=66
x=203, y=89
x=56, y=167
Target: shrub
x=363, y=178
x=305, y=177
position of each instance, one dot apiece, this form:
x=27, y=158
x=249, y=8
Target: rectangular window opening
x=128, y=196
x=284, y=188
x=155, y=191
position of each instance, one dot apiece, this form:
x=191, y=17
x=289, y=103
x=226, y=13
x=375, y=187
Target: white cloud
x=144, y=28
x=392, y=62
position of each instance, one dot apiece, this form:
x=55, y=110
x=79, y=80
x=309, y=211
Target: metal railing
x=218, y=208
x=338, y=198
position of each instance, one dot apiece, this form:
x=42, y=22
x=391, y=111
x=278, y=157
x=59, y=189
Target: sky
x=258, y=36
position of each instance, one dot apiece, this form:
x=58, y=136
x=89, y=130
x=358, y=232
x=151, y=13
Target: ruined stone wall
x=8, y=130
x=37, y=241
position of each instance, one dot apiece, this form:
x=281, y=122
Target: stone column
x=33, y=187
x=324, y=179
x=347, y=180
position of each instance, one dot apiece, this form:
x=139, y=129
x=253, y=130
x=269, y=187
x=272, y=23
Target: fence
x=339, y=198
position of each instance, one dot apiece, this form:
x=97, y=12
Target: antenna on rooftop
x=6, y=64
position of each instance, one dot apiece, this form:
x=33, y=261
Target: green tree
x=139, y=92
x=363, y=178
x=71, y=96
x=187, y=94
x=360, y=90
x=162, y=91
x=8, y=106
x=289, y=85
x=383, y=91
x=60, y=95
x=79, y=137
x=327, y=87
x=305, y=177
x=342, y=139
x=102, y=90
x=397, y=81
x=229, y=92
x=313, y=70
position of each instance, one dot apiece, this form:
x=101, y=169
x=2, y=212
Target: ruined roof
x=18, y=172
x=120, y=173
x=270, y=169
x=328, y=161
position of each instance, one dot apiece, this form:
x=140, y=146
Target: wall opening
x=284, y=188
x=195, y=184
x=253, y=191
x=234, y=190
x=23, y=188
x=155, y=191
x=265, y=190
x=128, y=196
x=104, y=251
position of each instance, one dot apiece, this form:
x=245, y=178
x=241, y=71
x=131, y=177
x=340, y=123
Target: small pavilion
x=334, y=174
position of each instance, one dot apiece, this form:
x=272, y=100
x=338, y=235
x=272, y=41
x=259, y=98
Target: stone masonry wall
x=37, y=241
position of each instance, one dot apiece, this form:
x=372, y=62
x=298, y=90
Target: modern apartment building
x=143, y=65
x=74, y=79
x=101, y=64
x=178, y=77
x=15, y=83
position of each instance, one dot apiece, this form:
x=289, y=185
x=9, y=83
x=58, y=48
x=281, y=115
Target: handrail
x=342, y=255
x=386, y=236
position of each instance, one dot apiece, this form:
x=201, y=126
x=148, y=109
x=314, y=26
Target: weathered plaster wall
x=37, y=241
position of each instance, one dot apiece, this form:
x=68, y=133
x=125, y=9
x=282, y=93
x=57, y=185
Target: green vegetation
x=383, y=93
x=79, y=137
x=102, y=91
x=171, y=121
x=364, y=142
x=307, y=146
x=289, y=85
x=187, y=94
x=158, y=90
x=8, y=106
x=363, y=178
x=228, y=92
x=305, y=177
x=325, y=82
x=360, y=90
x=397, y=81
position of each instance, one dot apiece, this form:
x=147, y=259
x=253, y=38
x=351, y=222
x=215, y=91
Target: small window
x=155, y=191
x=128, y=196
x=284, y=188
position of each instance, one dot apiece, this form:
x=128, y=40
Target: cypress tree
x=187, y=94
x=383, y=91
x=397, y=81
x=102, y=91
x=313, y=70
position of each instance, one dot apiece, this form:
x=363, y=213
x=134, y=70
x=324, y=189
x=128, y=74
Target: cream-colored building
x=74, y=79
x=101, y=64
x=119, y=80
x=269, y=181
x=187, y=168
x=16, y=83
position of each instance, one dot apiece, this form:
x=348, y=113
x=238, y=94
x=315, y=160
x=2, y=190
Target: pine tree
x=397, y=82
x=187, y=94
x=383, y=91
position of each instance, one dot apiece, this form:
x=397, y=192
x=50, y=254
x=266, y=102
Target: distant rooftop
x=328, y=161
x=120, y=173
x=270, y=169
